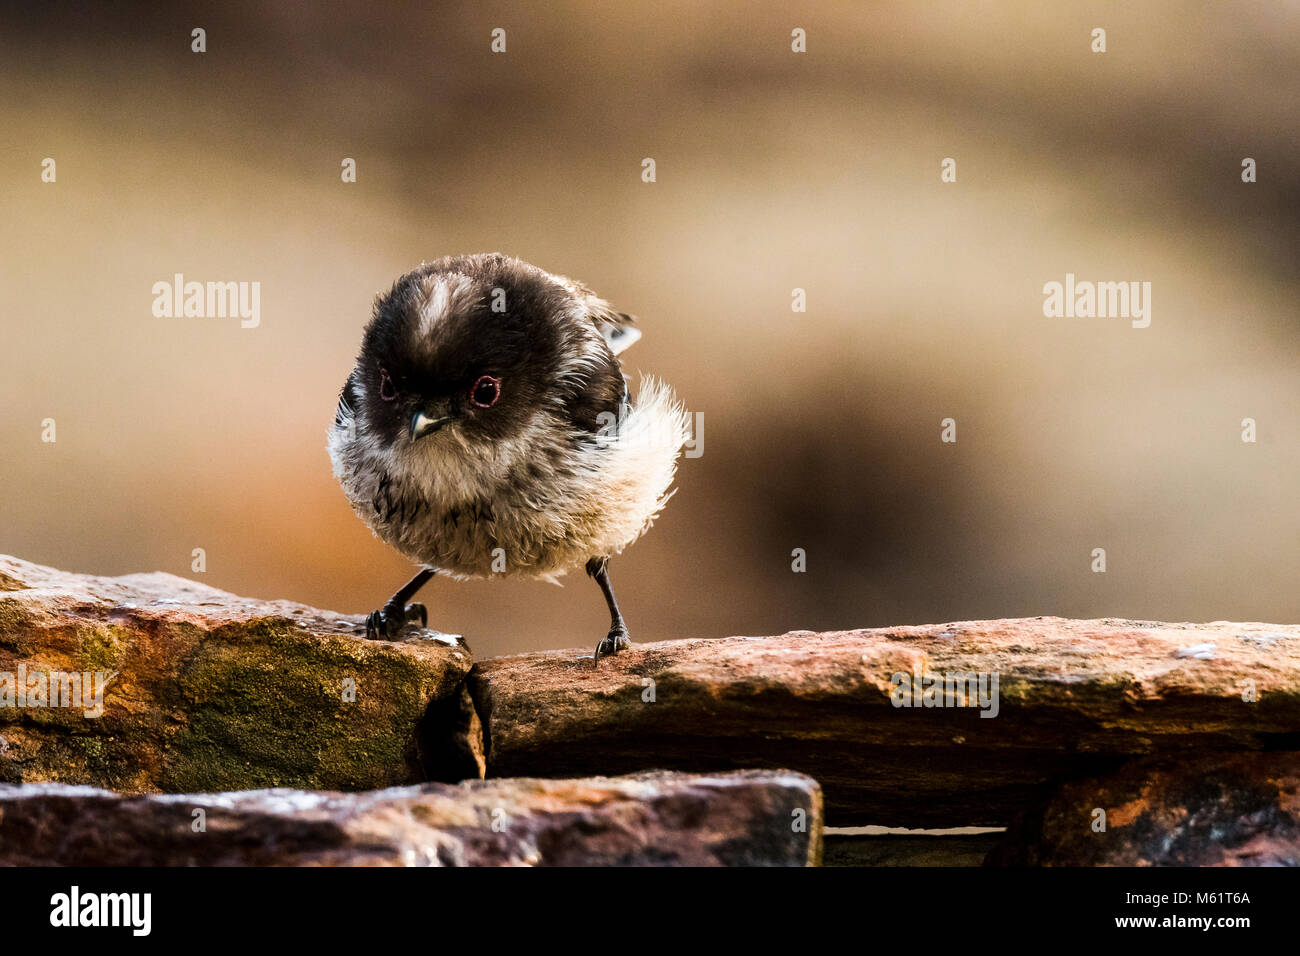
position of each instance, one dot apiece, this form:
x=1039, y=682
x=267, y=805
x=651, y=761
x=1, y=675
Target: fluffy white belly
x=536, y=505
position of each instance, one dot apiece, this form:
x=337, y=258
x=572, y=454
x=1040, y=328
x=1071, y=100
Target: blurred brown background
x=775, y=171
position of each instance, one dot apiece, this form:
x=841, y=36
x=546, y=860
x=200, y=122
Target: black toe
x=613, y=642
x=387, y=625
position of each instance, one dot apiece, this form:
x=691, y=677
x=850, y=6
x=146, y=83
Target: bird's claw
x=616, y=640
x=387, y=624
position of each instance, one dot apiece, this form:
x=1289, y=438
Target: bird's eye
x=486, y=391
x=386, y=390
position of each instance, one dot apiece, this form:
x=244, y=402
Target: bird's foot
x=387, y=624
x=613, y=642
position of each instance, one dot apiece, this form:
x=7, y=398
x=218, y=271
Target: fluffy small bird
x=487, y=429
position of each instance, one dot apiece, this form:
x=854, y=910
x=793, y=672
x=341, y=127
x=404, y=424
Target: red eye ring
x=485, y=391
x=386, y=390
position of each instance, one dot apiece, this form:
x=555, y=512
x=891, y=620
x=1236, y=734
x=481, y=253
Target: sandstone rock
x=738, y=819
x=1075, y=699
x=1206, y=810
x=210, y=691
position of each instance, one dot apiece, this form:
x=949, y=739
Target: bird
x=487, y=429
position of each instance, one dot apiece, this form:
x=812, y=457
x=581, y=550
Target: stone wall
x=297, y=741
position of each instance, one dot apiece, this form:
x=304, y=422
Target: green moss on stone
x=14, y=624
x=266, y=708
x=100, y=648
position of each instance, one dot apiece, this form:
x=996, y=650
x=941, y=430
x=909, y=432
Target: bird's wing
x=616, y=327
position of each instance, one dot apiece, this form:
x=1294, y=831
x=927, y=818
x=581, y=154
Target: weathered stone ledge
x=739, y=819
x=211, y=692
x=207, y=691
x=1075, y=699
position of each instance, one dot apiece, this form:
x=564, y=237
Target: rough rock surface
x=212, y=692
x=1075, y=699
x=739, y=819
x=1208, y=810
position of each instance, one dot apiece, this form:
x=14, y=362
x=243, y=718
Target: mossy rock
x=208, y=692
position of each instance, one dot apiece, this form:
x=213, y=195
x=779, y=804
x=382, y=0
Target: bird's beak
x=428, y=420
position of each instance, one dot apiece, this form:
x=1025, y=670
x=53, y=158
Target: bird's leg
x=616, y=640
x=388, y=623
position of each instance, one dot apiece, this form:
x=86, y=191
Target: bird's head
x=471, y=346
